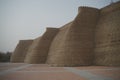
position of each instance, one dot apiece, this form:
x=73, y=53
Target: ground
x=22, y=71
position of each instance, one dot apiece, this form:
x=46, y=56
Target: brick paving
x=22, y=71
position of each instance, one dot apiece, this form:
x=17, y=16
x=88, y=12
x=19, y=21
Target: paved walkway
x=88, y=75
x=14, y=69
x=22, y=71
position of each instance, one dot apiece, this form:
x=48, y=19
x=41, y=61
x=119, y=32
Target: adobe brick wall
x=38, y=51
x=92, y=38
x=107, y=36
x=73, y=45
x=20, y=52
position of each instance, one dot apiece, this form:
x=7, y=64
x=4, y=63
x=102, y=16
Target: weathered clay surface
x=92, y=38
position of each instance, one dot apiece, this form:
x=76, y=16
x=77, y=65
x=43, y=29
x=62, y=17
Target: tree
x=5, y=57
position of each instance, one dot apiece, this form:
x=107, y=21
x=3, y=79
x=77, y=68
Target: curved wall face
x=73, y=45
x=107, y=39
x=56, y=56
x=21, y=51
x=38, y=51
x=29, y=56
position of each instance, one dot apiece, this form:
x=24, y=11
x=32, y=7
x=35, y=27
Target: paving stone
x=19, y=71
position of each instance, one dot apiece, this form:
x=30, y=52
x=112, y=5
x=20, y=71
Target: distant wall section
x=38, y=51
x=20, y=52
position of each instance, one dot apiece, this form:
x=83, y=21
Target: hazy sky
x=28, y=19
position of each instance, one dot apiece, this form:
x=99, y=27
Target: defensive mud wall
x=73, y=45
x=21, y=51
x=107, y=36
x=38, y=51
x=92, y=38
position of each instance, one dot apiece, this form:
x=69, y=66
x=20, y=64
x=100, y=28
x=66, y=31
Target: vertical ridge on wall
x=21, y=51
x=39, y=49
x=73, y=45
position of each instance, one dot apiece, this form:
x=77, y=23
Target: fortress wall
x=21, y=51
x=66, y=25
x=73, y=45
x=93, y=36
x=57, y=46
x=39, y=49
x=33, y=46
x=110, y=8
x=107, y=38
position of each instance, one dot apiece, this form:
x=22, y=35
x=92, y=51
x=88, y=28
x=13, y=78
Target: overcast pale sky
x=28, y=19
